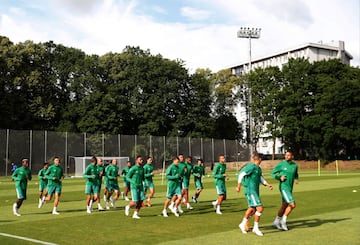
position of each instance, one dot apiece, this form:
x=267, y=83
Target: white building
x=310, y=51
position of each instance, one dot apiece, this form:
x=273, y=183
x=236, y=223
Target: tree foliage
x=53, y=87
x=314, y=107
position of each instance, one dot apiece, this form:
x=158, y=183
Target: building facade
x=312, y=52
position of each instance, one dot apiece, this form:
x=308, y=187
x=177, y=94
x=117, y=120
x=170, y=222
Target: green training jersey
x=198, y=171
x=188, y=171
x=251, y=180
x=124, y=172
x=182, y=168
x=54, y=174
x=112, y=172
x=148, y=169
x=173, y=173
x=42, y=177
x=91, y=174
x=105, y=175
x=136, y=177
x=288, y=169
x=100, y=173
x=21, y=176
x=218, y=173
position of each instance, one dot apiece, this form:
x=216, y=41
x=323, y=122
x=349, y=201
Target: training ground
x=327, y=212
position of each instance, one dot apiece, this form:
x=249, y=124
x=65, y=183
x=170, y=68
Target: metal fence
x=42, y=146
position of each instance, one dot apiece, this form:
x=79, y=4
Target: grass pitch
x=327, y=213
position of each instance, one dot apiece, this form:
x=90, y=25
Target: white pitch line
x=27, y=239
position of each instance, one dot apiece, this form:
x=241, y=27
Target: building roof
x=320, y=45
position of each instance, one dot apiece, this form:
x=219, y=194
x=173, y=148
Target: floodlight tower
x=250, y=33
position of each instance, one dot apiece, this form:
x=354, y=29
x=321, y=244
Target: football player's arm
x=14, y=175
x=169, y=176
x=87, y=175
x=275, y=172
x=296, y=179
x=265, y=183
x=29, y=175
x=48, y=174
x=129, y=175
x=146, y=173
x=242, y=174
x=216, y=174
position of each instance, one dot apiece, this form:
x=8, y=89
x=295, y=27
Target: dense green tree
x=337, y=109
x=266, y=89
x=314, y=107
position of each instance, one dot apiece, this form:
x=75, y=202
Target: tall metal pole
x=246, y=32
x=250, y=102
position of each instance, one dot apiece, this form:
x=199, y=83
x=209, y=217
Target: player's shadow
x=305, y=223
x=7, y=221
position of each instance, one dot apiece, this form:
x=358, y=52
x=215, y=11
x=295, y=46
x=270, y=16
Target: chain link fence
x=42, y=146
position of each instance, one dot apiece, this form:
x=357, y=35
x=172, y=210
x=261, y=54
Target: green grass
x=327, y=213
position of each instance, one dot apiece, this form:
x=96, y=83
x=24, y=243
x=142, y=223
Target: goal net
x=82, y=162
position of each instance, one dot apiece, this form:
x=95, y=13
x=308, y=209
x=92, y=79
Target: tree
x=266, y=87
x=225, y=98
x=337, y=109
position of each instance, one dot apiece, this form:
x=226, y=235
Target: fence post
x=212, y=150
x=177, y=145
x=103, y=145
x=85, y=144
x=30, y=148
x=189, y=146
x=66, y=152
x=7, y=151
x=164, y=161
x=150, y=145
x=201, y=148
x=224, y=143
x=45, y=146
x=119, y=144
x=135, y=142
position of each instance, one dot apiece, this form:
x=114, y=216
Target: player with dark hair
x=286, y=172
x=112, y=185
x=43, y=181
x=186, y=182
x=182, y=170
x=100, y=173
x=91, y=187
x=126, y=183
x=198, y=172
x=173, y=187
x=21, y=176
x=136, y=178
x=220, y=176
x=149, y=184
x=55, y=176
x=250, y=176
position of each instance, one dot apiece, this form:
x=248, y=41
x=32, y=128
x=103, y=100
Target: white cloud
x=195, y=14
x=110, y=25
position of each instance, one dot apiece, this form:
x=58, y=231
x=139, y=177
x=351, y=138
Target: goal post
x=82, y=162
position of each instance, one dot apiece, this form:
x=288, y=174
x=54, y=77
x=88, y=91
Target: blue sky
x=200, y=32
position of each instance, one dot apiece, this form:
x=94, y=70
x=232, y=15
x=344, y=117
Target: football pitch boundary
x=27, y=239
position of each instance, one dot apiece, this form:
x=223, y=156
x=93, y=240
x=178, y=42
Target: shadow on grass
x=305, y=223
x=7, y=221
